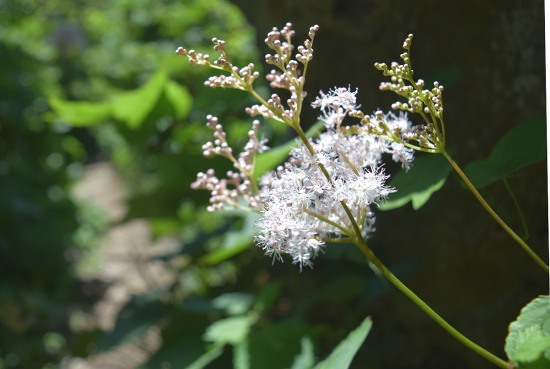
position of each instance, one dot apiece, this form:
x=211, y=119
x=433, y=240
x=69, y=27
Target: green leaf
x=343, y=354
x=305, y=359
x=182, y=344
x=134, y=106
x=525, y=144
x=230, y=330
x=131, y=107
x=426, y=177
x=270, y=159
x=276, y=344
x=233, y=303
x=135, y=320
x=241, y=355
x=179, y=97
x=81, y=114
x=206, y=358
x=528, y=340
x=235, y=241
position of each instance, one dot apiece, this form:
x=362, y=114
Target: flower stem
x=495, y=216
x=428, y=310
x=518, y=208
x=326, y=220
x=360, y=242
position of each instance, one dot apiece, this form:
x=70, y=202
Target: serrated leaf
x=230, y=330
x=528, y=340
x=523, y=145
x=270, y=159
x=81, y=114
x=426, y=177
x=343, y=354
x=531, y=344
x=133, y=107
x=179, y=97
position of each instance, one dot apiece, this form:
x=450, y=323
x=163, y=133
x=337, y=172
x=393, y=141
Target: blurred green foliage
x=55, y=51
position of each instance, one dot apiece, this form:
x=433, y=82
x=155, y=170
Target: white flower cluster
x=399, y=152
x=325, y=191
x=303, y=208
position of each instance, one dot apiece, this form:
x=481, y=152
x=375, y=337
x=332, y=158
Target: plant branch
x=493, y=214
x=428, y=310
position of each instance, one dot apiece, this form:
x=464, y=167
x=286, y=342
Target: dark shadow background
x=489, y=55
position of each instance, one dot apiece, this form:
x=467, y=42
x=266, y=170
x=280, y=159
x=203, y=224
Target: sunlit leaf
x=133, y=107
x=528, y=340
x=230, y=330
x=241, y=355
x=74, y=147
x=523, y=145
x=207, y=357
x=343, y=354
x=179, y=97
x=81, y=114
x=233, y=303
x=306, y=358
x=426, y=177
x=235, y=241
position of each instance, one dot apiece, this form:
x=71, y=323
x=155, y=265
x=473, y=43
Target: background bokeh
x=109, y=260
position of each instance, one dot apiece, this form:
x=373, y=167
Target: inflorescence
x=325, y=191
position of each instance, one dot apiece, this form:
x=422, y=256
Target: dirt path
x=125, y=265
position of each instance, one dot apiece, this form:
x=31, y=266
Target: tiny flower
x=302, y=208
x=338, y=97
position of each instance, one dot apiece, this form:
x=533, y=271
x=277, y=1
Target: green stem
x=337, y=240
x=326, y=220
x=359, y=241
x=518, y=208
x=495, y=216
x=428, y=310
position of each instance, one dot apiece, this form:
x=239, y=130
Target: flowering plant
x=327, y=189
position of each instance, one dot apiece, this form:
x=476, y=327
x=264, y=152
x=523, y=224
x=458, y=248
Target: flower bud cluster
x=194, y=57
x=286, y=74
x=283, y=48
x=226, y=192
x=239, y=186
x=239, y=78
x=426, y=102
